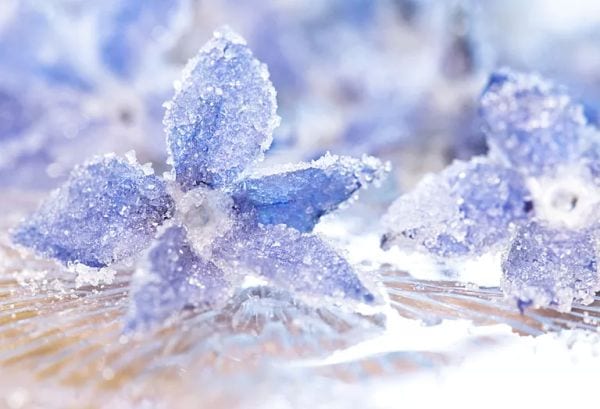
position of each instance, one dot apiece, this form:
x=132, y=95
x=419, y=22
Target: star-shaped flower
x=222, y=221
x=533, y=199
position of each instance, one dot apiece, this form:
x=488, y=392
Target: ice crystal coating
x=298, y=195
x=226, y=225
x=540, y=182
x=546, y=266
x=222, y=116
x=301, y=262
x=206, y=214
x=468, y=208
x=108, y=210
x=531, y=123
x=172, y=276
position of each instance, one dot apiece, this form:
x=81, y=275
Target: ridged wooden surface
x=63, y=346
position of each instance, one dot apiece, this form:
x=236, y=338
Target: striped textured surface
x=61, y=345
x=432, y=301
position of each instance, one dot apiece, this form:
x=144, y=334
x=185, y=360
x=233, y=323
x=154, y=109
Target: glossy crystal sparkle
x=534, y=198
x=249, y=292
x=222, y=117
x=172, y=277
x=465, y=210
x=108, y=210
x=229, y=223
x=549, y=266
x=295, y=261
x=532, y=124
x=298, y=195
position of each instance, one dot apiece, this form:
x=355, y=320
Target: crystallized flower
x=222, y=224
x=535, y=197
x=108, y=210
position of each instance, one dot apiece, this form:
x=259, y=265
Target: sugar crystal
x=108, y=210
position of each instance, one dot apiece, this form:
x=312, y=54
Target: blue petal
x=222, y=118
x=171, y=278
x=299, y=195
x=466, y=209
x=532, y=124
x=294, y=261
x=108, y=210
x=548, y=266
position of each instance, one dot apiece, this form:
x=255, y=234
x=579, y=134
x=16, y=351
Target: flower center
x=565, y=201
x=206, y=214
x=569, y=200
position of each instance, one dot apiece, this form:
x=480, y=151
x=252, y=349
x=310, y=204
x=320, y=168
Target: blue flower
x=533, y=199
x=217, y=221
